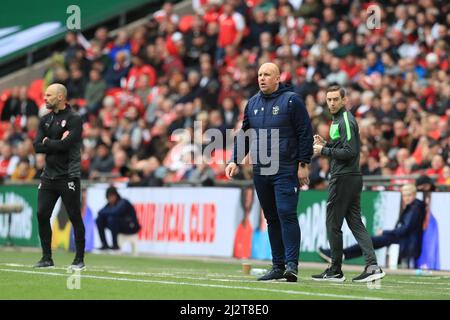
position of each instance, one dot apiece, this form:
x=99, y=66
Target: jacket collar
x=339, y=113
x=282, y=88
x=65, y=110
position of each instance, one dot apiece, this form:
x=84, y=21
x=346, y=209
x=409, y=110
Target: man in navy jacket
x=119, y=216
x=280, y=149
x=407, y=232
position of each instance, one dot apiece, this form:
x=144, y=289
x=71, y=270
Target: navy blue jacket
x=408, y=230
x=283, y=110
x=125, y=212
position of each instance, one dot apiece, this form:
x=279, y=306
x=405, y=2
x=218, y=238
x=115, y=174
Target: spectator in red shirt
x=350, y=66
x=209, y=9
x=7, y=165
x=138, y=40
x=138, y=69
x=437, y=168
x=401, y=157
x=166, y=14
x=231, y=29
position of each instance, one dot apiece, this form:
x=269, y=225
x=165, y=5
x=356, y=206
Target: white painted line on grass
x=326, y=295
x=240, y=279
x=425, y=283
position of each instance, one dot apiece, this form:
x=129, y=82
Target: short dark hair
x=423, y=179
x=112, y=191
x=336, y=88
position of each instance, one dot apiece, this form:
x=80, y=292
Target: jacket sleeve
x=411, y=220
x=74, y=125
x=130, y=208
x=238, y=141
x=349, y=149
x=39, y=147
x=103, y=210
x=303, y=130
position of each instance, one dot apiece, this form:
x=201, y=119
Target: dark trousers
x=278, y=195
x=380, y=241
x=112, y=223
x=48, y=194
x=344, y=203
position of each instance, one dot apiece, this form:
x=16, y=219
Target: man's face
x=112, y=199
x=51, y=98
x=408, y=197
x=334, y=101
x=268, y=79
x=23, y=168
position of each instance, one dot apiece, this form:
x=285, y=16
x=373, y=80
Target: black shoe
x=291, y=273
x=275, y=273
x=330, y=274
x=45, y=263
x=78, y=264
x=325, y=254
x=115, y=248
x=370, y=273
x=104, y=248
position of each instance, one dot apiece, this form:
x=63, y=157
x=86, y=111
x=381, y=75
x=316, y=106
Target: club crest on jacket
x=275, y=110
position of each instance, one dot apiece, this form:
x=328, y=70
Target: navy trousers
x=110, y=222
x=380, y=241
x=278, y=195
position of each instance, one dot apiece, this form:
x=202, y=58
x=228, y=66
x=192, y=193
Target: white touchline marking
x=52, y=268
x=426, y=283
x=329, y=295
x=111, y=269
x=179, y=276
x=241, y=279
x=183, y=275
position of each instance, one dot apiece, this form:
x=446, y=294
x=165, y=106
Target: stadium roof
x=29, y=25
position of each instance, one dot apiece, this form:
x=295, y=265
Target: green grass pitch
x=126, y=277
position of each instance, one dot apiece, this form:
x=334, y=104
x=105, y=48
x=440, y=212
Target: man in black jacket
x=344, y=190
x=407, y=232
x=59, y=138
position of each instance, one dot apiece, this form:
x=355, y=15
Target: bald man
x=281, y=147
x=59, y=138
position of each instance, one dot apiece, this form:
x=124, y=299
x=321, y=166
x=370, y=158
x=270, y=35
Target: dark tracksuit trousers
x=278, y=196
x=69, y=191
x=105, y=221
x=344, y=203
x=380, y=241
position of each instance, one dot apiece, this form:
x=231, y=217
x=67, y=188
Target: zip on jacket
x=343, y=149
x=63, y=156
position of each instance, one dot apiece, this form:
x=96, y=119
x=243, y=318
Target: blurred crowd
x=141, y=91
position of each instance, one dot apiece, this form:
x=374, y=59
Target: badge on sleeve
x=63, y=123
